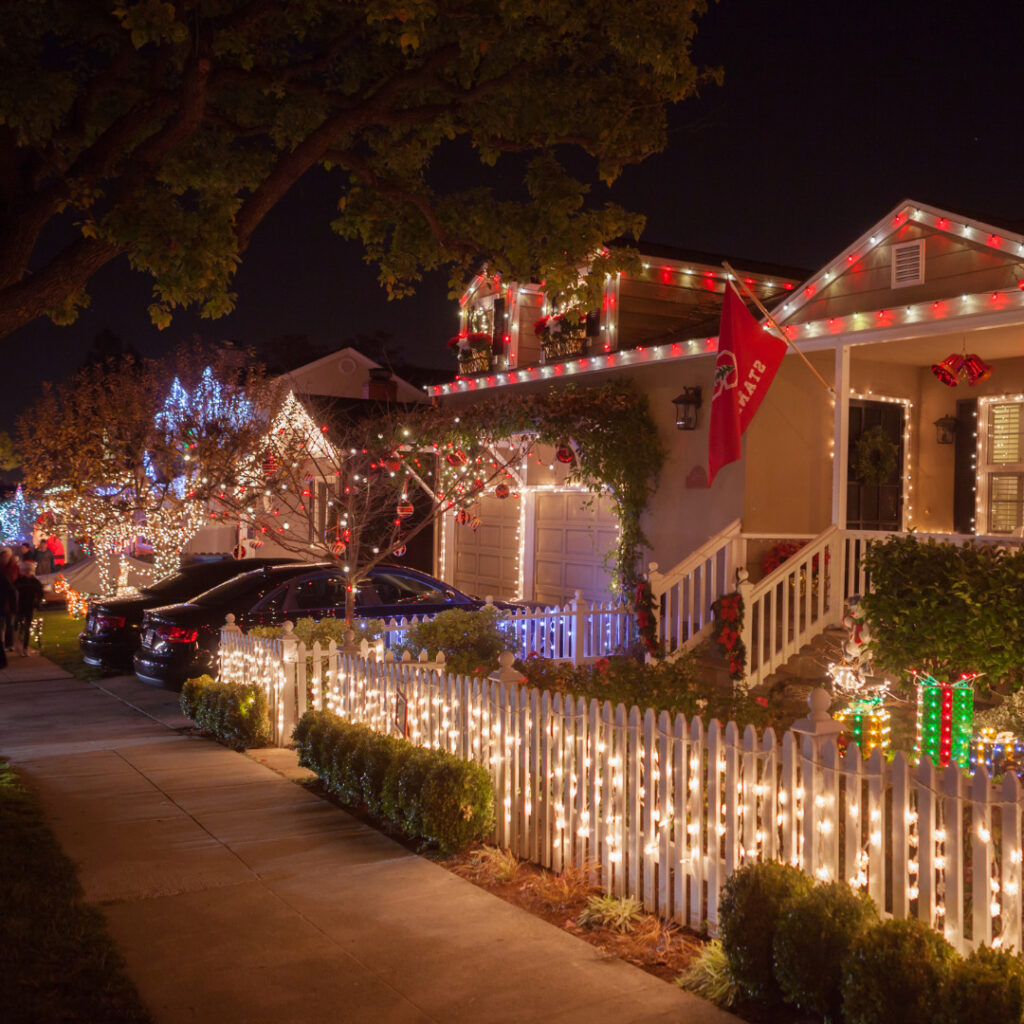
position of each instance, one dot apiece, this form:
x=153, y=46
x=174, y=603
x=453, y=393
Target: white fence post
x=749, y=639
x=288, y=692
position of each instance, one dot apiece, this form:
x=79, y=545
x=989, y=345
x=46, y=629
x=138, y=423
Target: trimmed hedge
x=237, y=715
x=811, y=942
x=754, y=900
x=896, y=971
x=986, y=987
x=424, y=793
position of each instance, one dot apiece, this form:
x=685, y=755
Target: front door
x=875, y=502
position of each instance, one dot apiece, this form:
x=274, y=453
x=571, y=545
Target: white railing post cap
x=819, y=722
x=229, y=623
x=506, y=673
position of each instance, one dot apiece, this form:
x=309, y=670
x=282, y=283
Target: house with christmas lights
x=917, y=329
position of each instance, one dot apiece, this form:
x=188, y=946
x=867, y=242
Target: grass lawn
x=60, y=644
x=57, y=962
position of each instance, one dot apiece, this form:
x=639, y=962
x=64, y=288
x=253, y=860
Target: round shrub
x=896, y=971
x=986, y=987
x=346, y=738
x=458, y=805
x=811, y=939
x=471, y=641
x=753, y=902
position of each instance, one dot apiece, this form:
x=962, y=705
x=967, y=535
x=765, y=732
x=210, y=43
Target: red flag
x=748, y=357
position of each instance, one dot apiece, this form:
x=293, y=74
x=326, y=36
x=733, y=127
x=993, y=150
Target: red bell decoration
x=966, y=366
x=404, y=509
x=501, y=491
x=565, y=453
x=948, y=371
x=455, y=458
x=976, y=369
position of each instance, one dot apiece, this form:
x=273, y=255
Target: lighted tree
x=166, y=132
x=355, y=491
x=126, y=449
x=16, y=517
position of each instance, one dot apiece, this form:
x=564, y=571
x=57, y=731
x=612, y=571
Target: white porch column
x=527, y=541
x=839, y=438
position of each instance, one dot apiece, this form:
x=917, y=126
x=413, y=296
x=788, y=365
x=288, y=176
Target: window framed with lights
x=1000, y=500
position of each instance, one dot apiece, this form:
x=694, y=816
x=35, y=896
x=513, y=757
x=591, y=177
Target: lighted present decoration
x=945, y=719
x=867, y=723
x=999, y=752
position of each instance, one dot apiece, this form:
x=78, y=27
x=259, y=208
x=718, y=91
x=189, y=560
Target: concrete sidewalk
x=236, y=895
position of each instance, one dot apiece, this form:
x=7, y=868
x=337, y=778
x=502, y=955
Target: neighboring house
x=920, y=286
x=345, y=377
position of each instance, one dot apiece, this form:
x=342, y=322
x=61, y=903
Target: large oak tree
x=165, y=132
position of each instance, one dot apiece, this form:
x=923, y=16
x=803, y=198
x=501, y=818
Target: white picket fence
x=667, y=809
x=579, y=632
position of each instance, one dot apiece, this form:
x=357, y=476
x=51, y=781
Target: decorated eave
x=997, y=307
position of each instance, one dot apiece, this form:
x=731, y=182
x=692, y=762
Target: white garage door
x=485, y=561
x=571, y=539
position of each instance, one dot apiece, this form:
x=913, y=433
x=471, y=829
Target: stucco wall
x=787, y=452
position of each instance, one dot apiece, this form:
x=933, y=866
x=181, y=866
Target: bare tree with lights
x=355, y=491
x=131, y=448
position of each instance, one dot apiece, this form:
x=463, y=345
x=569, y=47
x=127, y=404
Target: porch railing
x=793, y=604
x=684, y=595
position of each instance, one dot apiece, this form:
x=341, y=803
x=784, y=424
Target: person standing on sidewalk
x=30, y=597
x=9, y=570
x=8, y=603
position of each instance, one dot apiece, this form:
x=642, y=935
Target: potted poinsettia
x=473, y=352
x=562, y=335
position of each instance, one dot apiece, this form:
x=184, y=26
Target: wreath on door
x=875, y=457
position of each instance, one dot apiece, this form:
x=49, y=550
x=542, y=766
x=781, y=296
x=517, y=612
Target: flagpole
x=773, y=323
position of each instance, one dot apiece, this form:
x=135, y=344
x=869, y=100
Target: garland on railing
x=725, y=632
x=646, y=626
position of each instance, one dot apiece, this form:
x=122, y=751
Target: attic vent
x=908, y=264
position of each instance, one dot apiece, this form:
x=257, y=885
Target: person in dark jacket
x=30, y=597
x=8, y=604
x=44, y=558
x=9, y=570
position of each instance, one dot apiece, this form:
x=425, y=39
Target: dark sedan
x=111, y=633
x=180, y=641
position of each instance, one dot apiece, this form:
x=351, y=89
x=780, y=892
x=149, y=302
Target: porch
x=783, y=610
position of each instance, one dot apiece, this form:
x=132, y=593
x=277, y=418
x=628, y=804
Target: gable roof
x=969, y=268
x=342, y=374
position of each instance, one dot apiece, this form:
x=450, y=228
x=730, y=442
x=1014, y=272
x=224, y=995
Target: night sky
x=830, y=114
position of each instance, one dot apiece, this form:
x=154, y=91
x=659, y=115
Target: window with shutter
x=1002, y=467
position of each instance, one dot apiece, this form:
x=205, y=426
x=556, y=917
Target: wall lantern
x=946, y=429
x=687, y=405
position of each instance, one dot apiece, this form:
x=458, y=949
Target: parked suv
x=111, y=632
x=180, y=641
